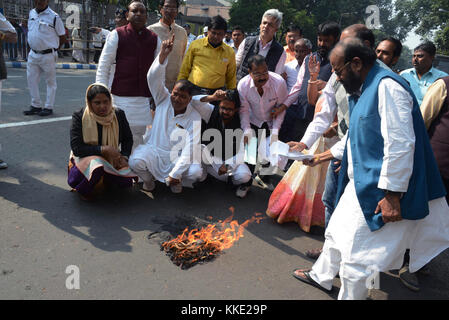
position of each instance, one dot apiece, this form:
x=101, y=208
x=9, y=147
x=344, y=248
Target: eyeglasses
x=258, y=75
x=170, y=8
x=338, y=72
x=227, y=109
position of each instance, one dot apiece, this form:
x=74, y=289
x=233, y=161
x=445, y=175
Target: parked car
x=441, y=62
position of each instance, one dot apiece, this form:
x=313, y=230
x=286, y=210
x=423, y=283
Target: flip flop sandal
x=307, y=279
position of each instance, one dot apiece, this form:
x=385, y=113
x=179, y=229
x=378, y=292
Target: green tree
x=308, y=14
x=431, y=19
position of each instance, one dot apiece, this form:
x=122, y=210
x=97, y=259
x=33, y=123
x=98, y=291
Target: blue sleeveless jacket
x=367, y=156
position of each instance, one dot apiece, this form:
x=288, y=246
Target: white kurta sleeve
x=204, y=109
x=107, y=58
x=323, y=119
x=5, y=25
x=395, y=111
x=156, y=81
x=338, y=149
x=158, y=48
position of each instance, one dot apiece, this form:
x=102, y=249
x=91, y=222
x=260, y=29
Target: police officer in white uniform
x=45, y=34
x=7, y=34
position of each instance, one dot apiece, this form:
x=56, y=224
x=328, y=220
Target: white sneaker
x=242, y=191
x=177, y=188
x=3, y=164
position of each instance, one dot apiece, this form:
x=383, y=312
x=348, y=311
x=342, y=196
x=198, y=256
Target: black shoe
x=32, y=111
x=45, y=112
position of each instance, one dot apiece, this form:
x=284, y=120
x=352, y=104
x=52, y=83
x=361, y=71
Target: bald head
x=359, y=31
x=350, y=47
x=351, y=61
x=352, y=30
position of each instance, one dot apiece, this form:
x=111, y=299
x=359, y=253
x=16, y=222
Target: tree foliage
x=397, y=18
x=431, y=19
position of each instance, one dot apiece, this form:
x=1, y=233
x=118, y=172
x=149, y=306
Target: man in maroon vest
x=133, y=48
x=435, y=111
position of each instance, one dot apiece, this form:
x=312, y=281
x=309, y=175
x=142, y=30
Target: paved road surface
x=45, y=228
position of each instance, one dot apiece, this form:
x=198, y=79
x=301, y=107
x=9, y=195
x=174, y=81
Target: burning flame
x=198, y=245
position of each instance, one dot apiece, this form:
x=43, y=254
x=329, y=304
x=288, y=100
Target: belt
x=206, y=91
x=44, y=51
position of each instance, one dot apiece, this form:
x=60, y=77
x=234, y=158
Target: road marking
x=57, y=76
x=28, y=123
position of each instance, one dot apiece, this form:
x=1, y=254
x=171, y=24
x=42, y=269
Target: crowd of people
x=168, y=108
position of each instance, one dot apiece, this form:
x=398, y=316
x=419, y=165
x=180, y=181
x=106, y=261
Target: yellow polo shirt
x=209, y=67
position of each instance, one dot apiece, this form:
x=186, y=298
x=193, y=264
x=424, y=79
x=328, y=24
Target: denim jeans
x=330, y=190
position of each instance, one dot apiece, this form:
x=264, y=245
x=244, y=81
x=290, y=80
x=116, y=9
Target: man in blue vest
x=335, y=103
x=390, y=195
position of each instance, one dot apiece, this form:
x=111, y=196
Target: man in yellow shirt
x=209, y=63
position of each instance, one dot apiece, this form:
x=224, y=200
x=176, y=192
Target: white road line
x=86, y=76
x=28, y=123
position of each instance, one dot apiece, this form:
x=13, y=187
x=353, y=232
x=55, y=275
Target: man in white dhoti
x=390, y=196
x=168, y=155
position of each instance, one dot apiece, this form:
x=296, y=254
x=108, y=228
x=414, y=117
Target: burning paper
x=200, y=245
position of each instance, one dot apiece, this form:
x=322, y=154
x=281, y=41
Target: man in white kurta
x=351, y=248
x=137, y=108
x=169, y=154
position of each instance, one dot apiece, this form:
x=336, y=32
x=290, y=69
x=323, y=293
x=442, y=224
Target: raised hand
x=314, y=67
x=166, y=48
x=219, y=95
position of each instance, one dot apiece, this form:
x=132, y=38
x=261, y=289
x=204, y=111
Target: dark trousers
x=330, y=190
x=292, y=128
x=97, y=54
